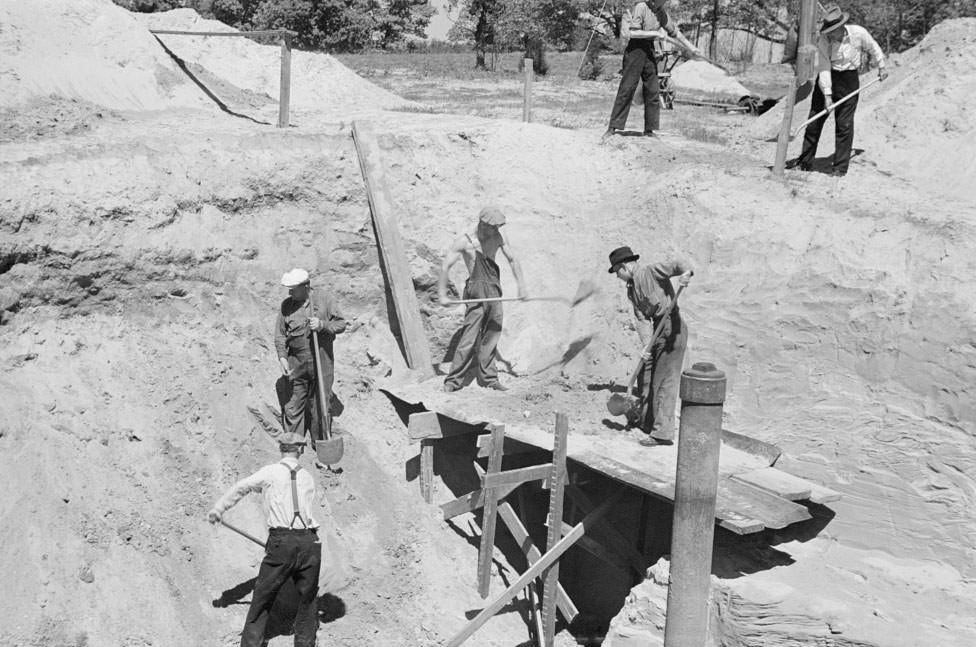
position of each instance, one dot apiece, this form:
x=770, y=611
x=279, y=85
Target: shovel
x=585, y=290
x=621, y=403
x=796, y=131
x=330, y=449
x=243, y=533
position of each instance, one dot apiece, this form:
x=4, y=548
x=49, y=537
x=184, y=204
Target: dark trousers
x=480, y=332
x=639, y=65
x=300, y=409
x=843, y=84
x=659, y=381
x=289, y=555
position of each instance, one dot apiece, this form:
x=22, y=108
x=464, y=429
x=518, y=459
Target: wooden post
x=284, y=89
x=427, y=469
x=489, y=516
x=398, y=275
x=527, y=68
x=557, y=489
x=783, y=143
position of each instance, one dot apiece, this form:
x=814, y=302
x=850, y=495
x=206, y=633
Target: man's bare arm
x=516, y=268
x=452, y=256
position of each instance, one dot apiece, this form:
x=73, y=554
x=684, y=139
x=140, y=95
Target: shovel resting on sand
x=621, y=403
x=585, y=290
x=796, y=131
x=328, y=449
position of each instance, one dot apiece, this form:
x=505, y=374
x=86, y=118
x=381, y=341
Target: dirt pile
x=318, y=81
x=701, y=80
x=920, y=124
x=89, y=50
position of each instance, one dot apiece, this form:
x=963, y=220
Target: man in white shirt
x=641, y=27
x=844, y=45
x=293, y=550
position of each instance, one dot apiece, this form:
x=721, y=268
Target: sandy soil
x=143, y=234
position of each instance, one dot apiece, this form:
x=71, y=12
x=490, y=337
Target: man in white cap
x=293, y=550
x=843, y=45
x=482, y=325
x=303, y=313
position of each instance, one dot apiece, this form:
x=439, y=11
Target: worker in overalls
x=293, y=550
x=302, y=313
x=482, y=327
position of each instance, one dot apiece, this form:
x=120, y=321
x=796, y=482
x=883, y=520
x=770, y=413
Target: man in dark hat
x=303, y=313
x=642, y=26
x=482, y=325
x=293, y=551
x=652, y=295
x=844, y=45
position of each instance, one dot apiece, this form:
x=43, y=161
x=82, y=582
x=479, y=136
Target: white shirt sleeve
x=253, y=483
x=871, y=46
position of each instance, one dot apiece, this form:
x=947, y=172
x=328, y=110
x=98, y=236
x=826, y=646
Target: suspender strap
x=294, y=497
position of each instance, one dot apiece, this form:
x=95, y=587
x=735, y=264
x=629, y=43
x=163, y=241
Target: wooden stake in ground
x=393, y=260
x=284, y=89
x=557, y=488
x=783, y=142
x=489, y=517
x=527, y=91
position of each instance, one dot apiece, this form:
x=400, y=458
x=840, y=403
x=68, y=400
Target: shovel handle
x=631, y=385
x=825, y=111
x=455, y=302
x=323, y=403
x=243, y=533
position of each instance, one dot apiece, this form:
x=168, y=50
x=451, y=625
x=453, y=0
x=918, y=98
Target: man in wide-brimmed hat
x=293, y=551
x=303, y=313
x=482, y=327
x=844, y=45
x=652, y=295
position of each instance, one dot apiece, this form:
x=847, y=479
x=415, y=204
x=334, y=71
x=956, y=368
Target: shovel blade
x=620, y=404
x=330, y=451
x=585, y=290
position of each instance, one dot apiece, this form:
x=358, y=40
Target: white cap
x=294, y=278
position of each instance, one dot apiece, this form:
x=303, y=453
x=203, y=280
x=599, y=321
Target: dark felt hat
x=833, y=19
x=620, y=256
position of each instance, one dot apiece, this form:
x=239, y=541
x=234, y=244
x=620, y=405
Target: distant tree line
x=533, y=26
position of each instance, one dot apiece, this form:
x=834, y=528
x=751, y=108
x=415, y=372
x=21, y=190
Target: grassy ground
x=448, y=82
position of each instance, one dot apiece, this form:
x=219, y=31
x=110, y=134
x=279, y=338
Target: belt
x=292, y=531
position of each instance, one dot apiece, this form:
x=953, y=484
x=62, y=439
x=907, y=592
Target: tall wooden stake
x=527, y=67
x=489, y=515
x=556, y=492
x=783, y=143
x=284, y=89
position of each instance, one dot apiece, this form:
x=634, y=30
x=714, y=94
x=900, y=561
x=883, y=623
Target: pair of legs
x=478, y=343
x=299, y=397
x=843, y=83
x=659, y=382
x=640, y=64
x=294, y=556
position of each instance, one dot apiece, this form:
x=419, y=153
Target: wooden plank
x=489, y=518
x=518, y=476
x=472, y=501
x=726, y=513
x=769, y=452
x=532, y=555
x=595, y=548
x=427, y=470
x=783, y=141
x=424, y=425
x=393, y=258
x=557, y=484
x=779, y=483
x=284, y=86
x=512, y=446
x=773, y=511
x=530, y=574
x=611, y=535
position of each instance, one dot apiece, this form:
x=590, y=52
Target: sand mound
x=703, y=80
x=88, y=50
x=318, y=82
x=919, y=124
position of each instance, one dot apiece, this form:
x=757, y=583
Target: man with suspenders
x=293, y=549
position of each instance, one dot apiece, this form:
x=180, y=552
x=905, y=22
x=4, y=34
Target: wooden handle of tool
x=631, y=385
x=825, y=111
x=323, y=403
x=456, y=302
x=692, y=53
x=243, y=534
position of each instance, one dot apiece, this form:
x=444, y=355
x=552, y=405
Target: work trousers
x=639, y=65
x=480, y=333
x=843, y=83
x=660, y=379
x=294, y=555
x=300, y=411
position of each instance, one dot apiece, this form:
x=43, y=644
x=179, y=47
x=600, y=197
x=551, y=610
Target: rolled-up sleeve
x=280, y=336
x=663, y=19
x=664, y=271
x=334, y=321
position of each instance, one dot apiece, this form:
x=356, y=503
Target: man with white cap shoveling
x=306, y=312
x=293, y=550
x=482, y=326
